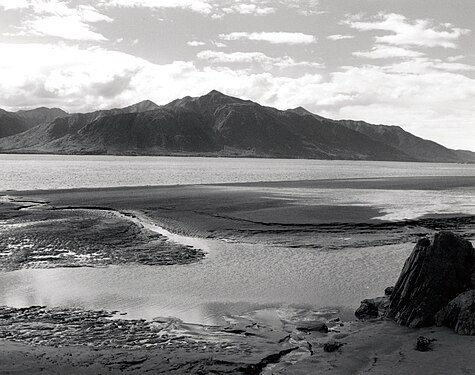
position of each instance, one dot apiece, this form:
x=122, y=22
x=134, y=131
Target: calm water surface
x=233, y=279
x=25, y=172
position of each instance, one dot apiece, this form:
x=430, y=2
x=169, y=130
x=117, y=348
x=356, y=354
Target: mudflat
x=254, y=212
x=98, y=227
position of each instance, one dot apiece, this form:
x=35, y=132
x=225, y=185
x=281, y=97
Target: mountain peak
x=54, y=110
x=301, y=111
x=144, y=105
x=215, y=93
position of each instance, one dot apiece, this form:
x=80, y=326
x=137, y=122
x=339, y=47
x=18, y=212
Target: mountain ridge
x=216, y=124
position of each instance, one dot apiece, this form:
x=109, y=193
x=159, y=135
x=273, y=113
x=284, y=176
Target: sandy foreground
x=378, y=347
x=238, y=212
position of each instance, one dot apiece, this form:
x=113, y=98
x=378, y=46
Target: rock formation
x=436, y=286
x=459, y=314
x=372, y=308
x=436, y=272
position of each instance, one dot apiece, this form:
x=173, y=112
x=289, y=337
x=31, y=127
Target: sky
x=397, y=62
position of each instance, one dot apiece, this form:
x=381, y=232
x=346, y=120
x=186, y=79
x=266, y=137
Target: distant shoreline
x=217, y=155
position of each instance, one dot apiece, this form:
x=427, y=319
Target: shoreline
x=218, y=155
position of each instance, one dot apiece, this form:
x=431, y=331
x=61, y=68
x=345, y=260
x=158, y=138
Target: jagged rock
x=423, y=344
x=388, y=291
x=312, y=326
x=372, y=308
x=436, y=272
x=332, y=346
x=459, y=314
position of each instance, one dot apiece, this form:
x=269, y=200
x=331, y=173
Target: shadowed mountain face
x=417, y=148
x=216, y=124
x=17, y=122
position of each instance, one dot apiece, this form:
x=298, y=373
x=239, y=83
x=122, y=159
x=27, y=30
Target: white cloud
x=271, y=37
x=70, y=27
x=340, y=37
x=248, y=8
x=195, y=43
x=256, y=58
x=219, y=8
x=386, y=52
x=200, y=6
x=56, y=18
x=455, y=58
x=427, y=66
x=403, y=32
x=14, y=4
x=304, y=7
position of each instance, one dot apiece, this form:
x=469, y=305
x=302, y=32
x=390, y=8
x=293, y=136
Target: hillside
x=17, y=122
x=415, y=147
x=219, y=125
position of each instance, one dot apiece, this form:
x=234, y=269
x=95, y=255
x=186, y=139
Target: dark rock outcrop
x=388, y=291
x=372, y=308
x=312, y=326
x=332, y=346
x=423, y=344
x=459, y=314
x=436, y=272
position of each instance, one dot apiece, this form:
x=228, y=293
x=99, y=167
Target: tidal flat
x=291, y=259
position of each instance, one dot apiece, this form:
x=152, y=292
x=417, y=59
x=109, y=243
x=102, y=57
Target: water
x=234, y=277
x=26, y=172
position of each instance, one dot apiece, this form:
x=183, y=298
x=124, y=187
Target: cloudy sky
x=401, y=62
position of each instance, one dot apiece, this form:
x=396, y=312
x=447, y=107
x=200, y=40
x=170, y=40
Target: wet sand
x=41, y=341
x=246, y=212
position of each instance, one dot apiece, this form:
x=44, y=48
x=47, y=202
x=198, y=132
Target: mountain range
x=214, y=125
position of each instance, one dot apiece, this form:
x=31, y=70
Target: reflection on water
x=234, y=278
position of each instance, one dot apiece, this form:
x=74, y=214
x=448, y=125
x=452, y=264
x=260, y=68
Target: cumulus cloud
x=386, y=52
x=219, y=8
x=199, y=6
x=248, y=8
x=254, y=58
x=14, y=4
x=195, y=43
x=455, y=58
x=403, y=32
x=271, y=37
x=340, y=37
x=426, y=65
x=56, y=18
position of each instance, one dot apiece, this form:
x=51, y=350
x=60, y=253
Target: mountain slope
x=266, y=131
x=134, y=129
x=17, y=122
x=41, y=115
x=415, y=147
x=216, y=124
